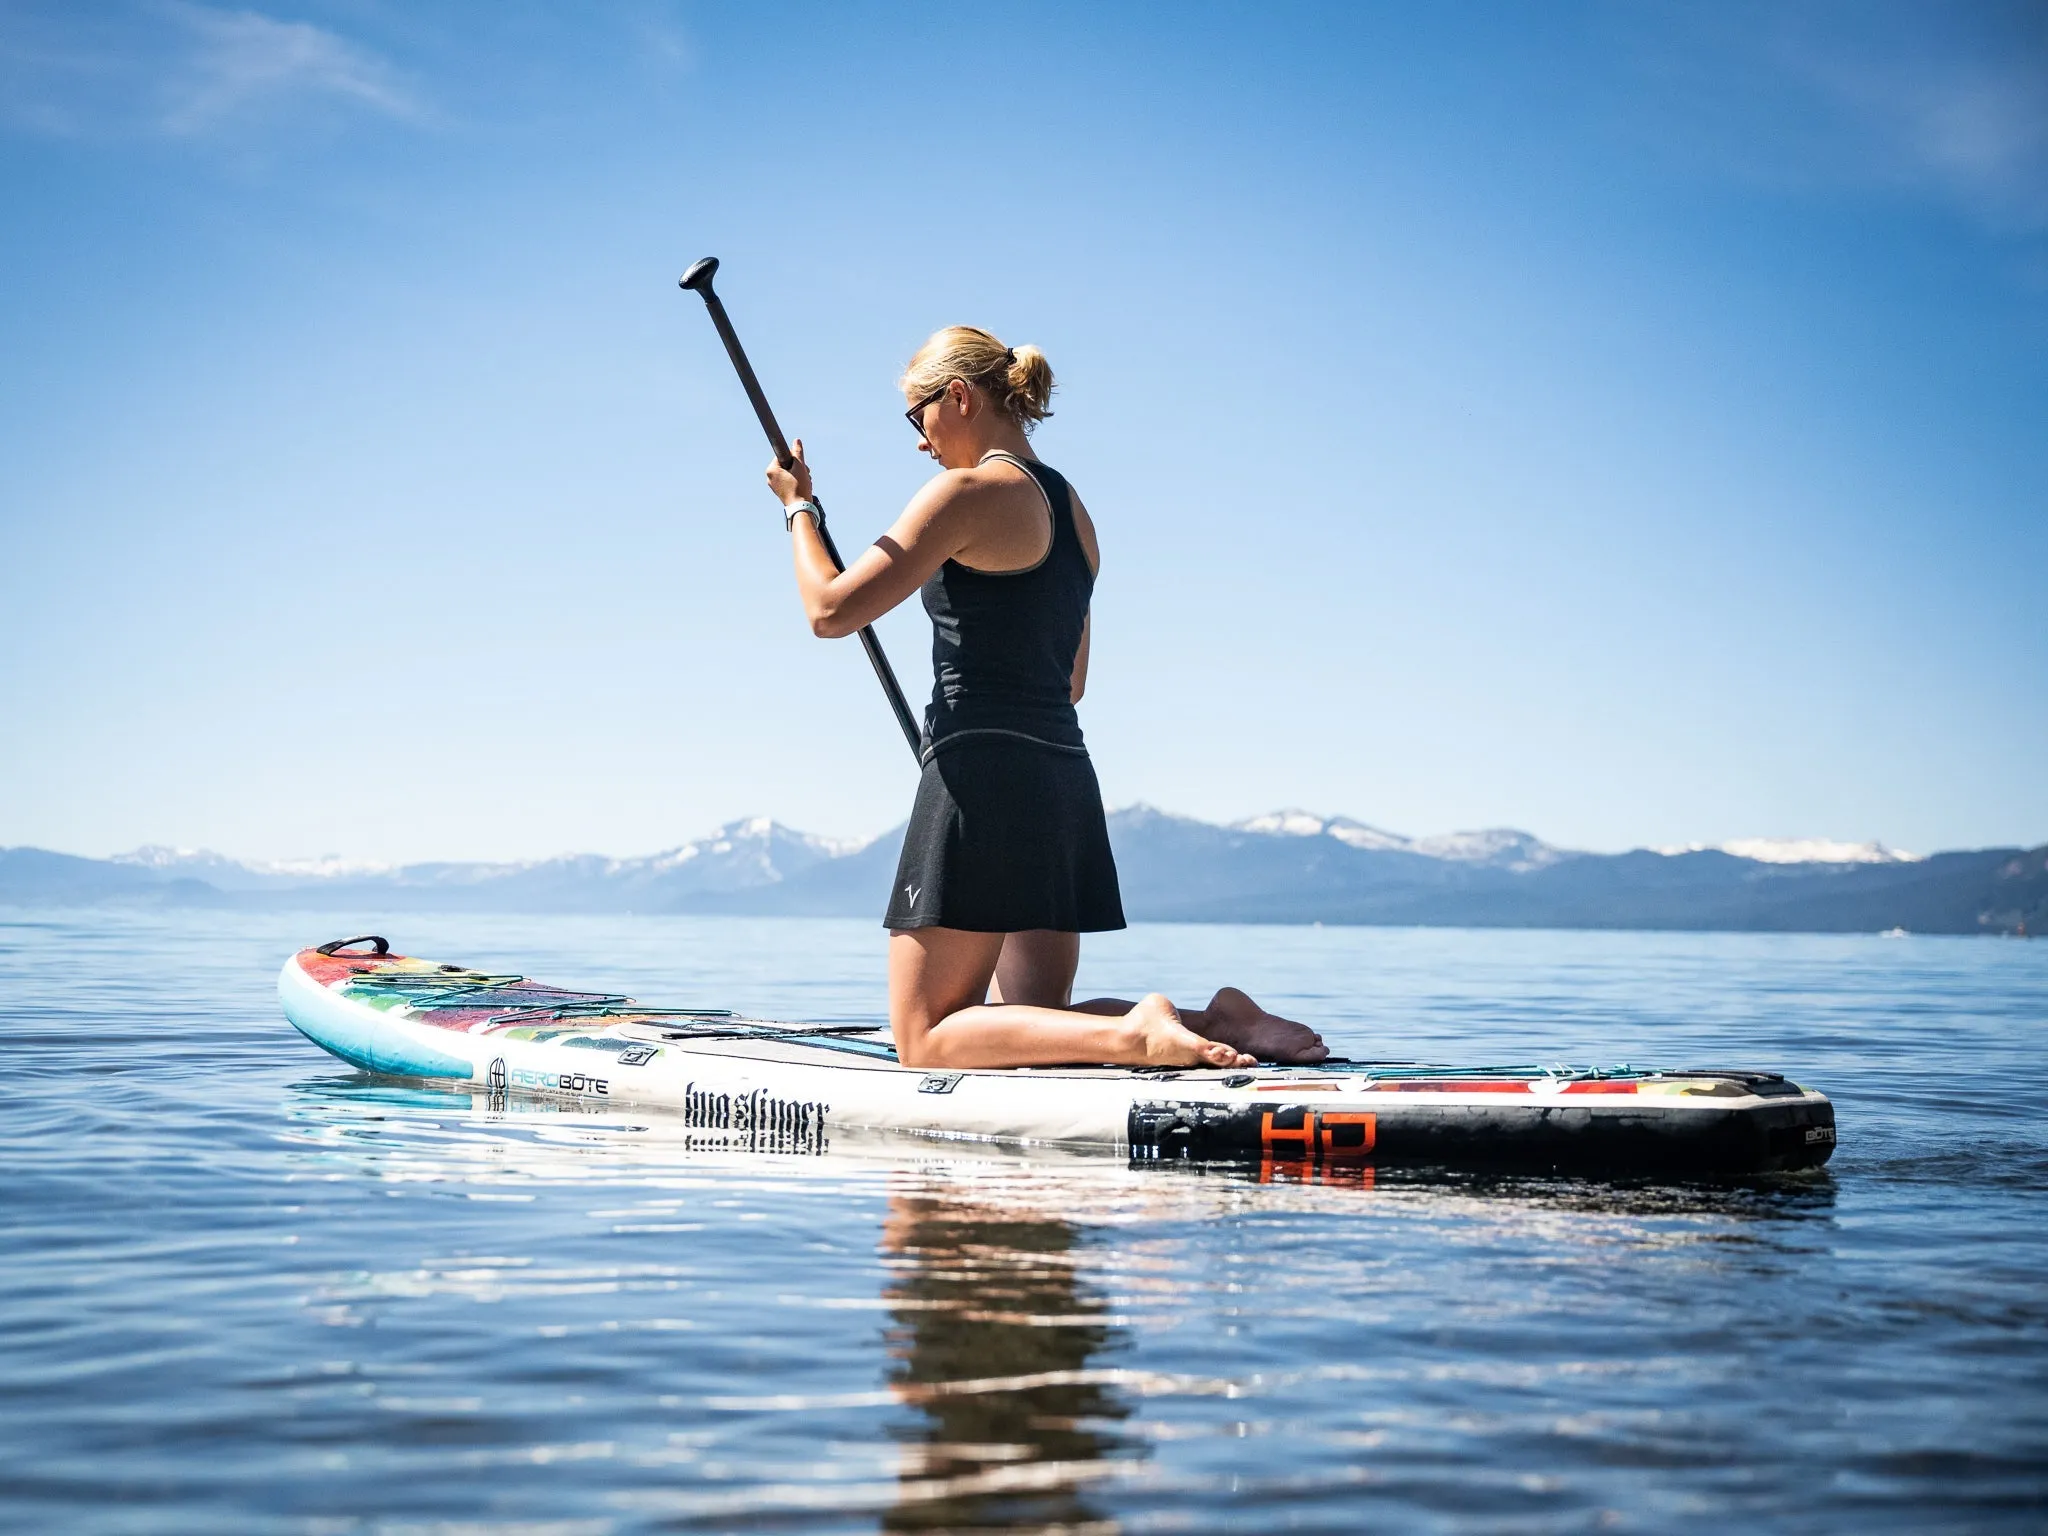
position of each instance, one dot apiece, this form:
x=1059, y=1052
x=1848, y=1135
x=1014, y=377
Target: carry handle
x=338, y=945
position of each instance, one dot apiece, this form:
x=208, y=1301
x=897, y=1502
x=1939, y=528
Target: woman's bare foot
x=1167, y=1042
x=1234, y=1018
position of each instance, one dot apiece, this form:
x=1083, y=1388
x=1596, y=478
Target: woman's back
x=1004, y=642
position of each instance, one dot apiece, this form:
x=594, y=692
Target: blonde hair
x=1018, y=380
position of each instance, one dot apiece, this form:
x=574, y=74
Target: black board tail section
x=1756, y=1138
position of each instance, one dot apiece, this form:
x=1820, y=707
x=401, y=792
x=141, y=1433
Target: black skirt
x=1007, y=835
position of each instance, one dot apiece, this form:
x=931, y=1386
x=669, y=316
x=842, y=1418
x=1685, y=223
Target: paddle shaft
x=869, y=641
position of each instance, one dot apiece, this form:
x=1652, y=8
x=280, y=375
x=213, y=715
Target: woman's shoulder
x=986, y=485
x=1005, y=471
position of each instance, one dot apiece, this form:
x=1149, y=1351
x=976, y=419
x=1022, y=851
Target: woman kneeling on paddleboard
x=1007, y=861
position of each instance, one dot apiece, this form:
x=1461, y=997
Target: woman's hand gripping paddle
x=698, y=281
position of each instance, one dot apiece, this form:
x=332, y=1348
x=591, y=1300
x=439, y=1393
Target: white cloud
x=177, y=69
x=244, y=61
x=1952, y=99
x=1937, y=102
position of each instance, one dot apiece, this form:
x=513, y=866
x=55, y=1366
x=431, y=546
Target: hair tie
x=1009, y=357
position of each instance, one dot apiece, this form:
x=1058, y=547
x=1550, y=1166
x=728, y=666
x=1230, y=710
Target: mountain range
x=1285, y=867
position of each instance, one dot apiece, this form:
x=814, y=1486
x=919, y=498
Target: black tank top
x=1003, y=643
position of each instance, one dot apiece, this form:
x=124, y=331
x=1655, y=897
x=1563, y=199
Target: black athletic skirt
x=1007, y=836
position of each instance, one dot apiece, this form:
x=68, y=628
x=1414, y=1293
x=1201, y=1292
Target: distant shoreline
x=1287, y=869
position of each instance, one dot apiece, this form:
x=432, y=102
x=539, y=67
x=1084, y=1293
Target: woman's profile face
x=938, y=418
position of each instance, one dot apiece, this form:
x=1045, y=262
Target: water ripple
x=242, y=1288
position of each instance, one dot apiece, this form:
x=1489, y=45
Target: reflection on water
x=994, y=1333
x=1009, y=1382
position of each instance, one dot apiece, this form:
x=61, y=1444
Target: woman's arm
x=932, y=529
x=1084, y=526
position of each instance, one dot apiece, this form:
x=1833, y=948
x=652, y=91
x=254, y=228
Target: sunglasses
x=915, y=415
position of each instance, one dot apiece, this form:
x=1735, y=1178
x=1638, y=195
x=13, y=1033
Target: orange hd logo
x=1296, y=1133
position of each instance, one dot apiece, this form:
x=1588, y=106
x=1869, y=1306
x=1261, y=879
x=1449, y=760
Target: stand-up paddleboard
x=790, y=1086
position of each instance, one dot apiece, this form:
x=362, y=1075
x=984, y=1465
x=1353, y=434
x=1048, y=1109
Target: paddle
x=698, y=281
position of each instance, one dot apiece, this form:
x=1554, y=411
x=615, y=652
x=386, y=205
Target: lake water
x=243, y=1288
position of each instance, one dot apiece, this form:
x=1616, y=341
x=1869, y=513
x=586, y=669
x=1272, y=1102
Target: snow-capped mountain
x=1501, y=847
x=229, y=874
x=1802, y=850
x=1353, y=834
x=753, y=851
x=764, y=846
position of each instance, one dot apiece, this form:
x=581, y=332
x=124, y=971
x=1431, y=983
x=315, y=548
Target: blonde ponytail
x=1017, y=380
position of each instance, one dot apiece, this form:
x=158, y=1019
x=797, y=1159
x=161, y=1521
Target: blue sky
x=1624, y=422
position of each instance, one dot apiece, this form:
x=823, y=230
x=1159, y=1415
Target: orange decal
x=1316, y=1136
x=1300, y=1136
x=1297, y=1088
x=1345, y=1136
